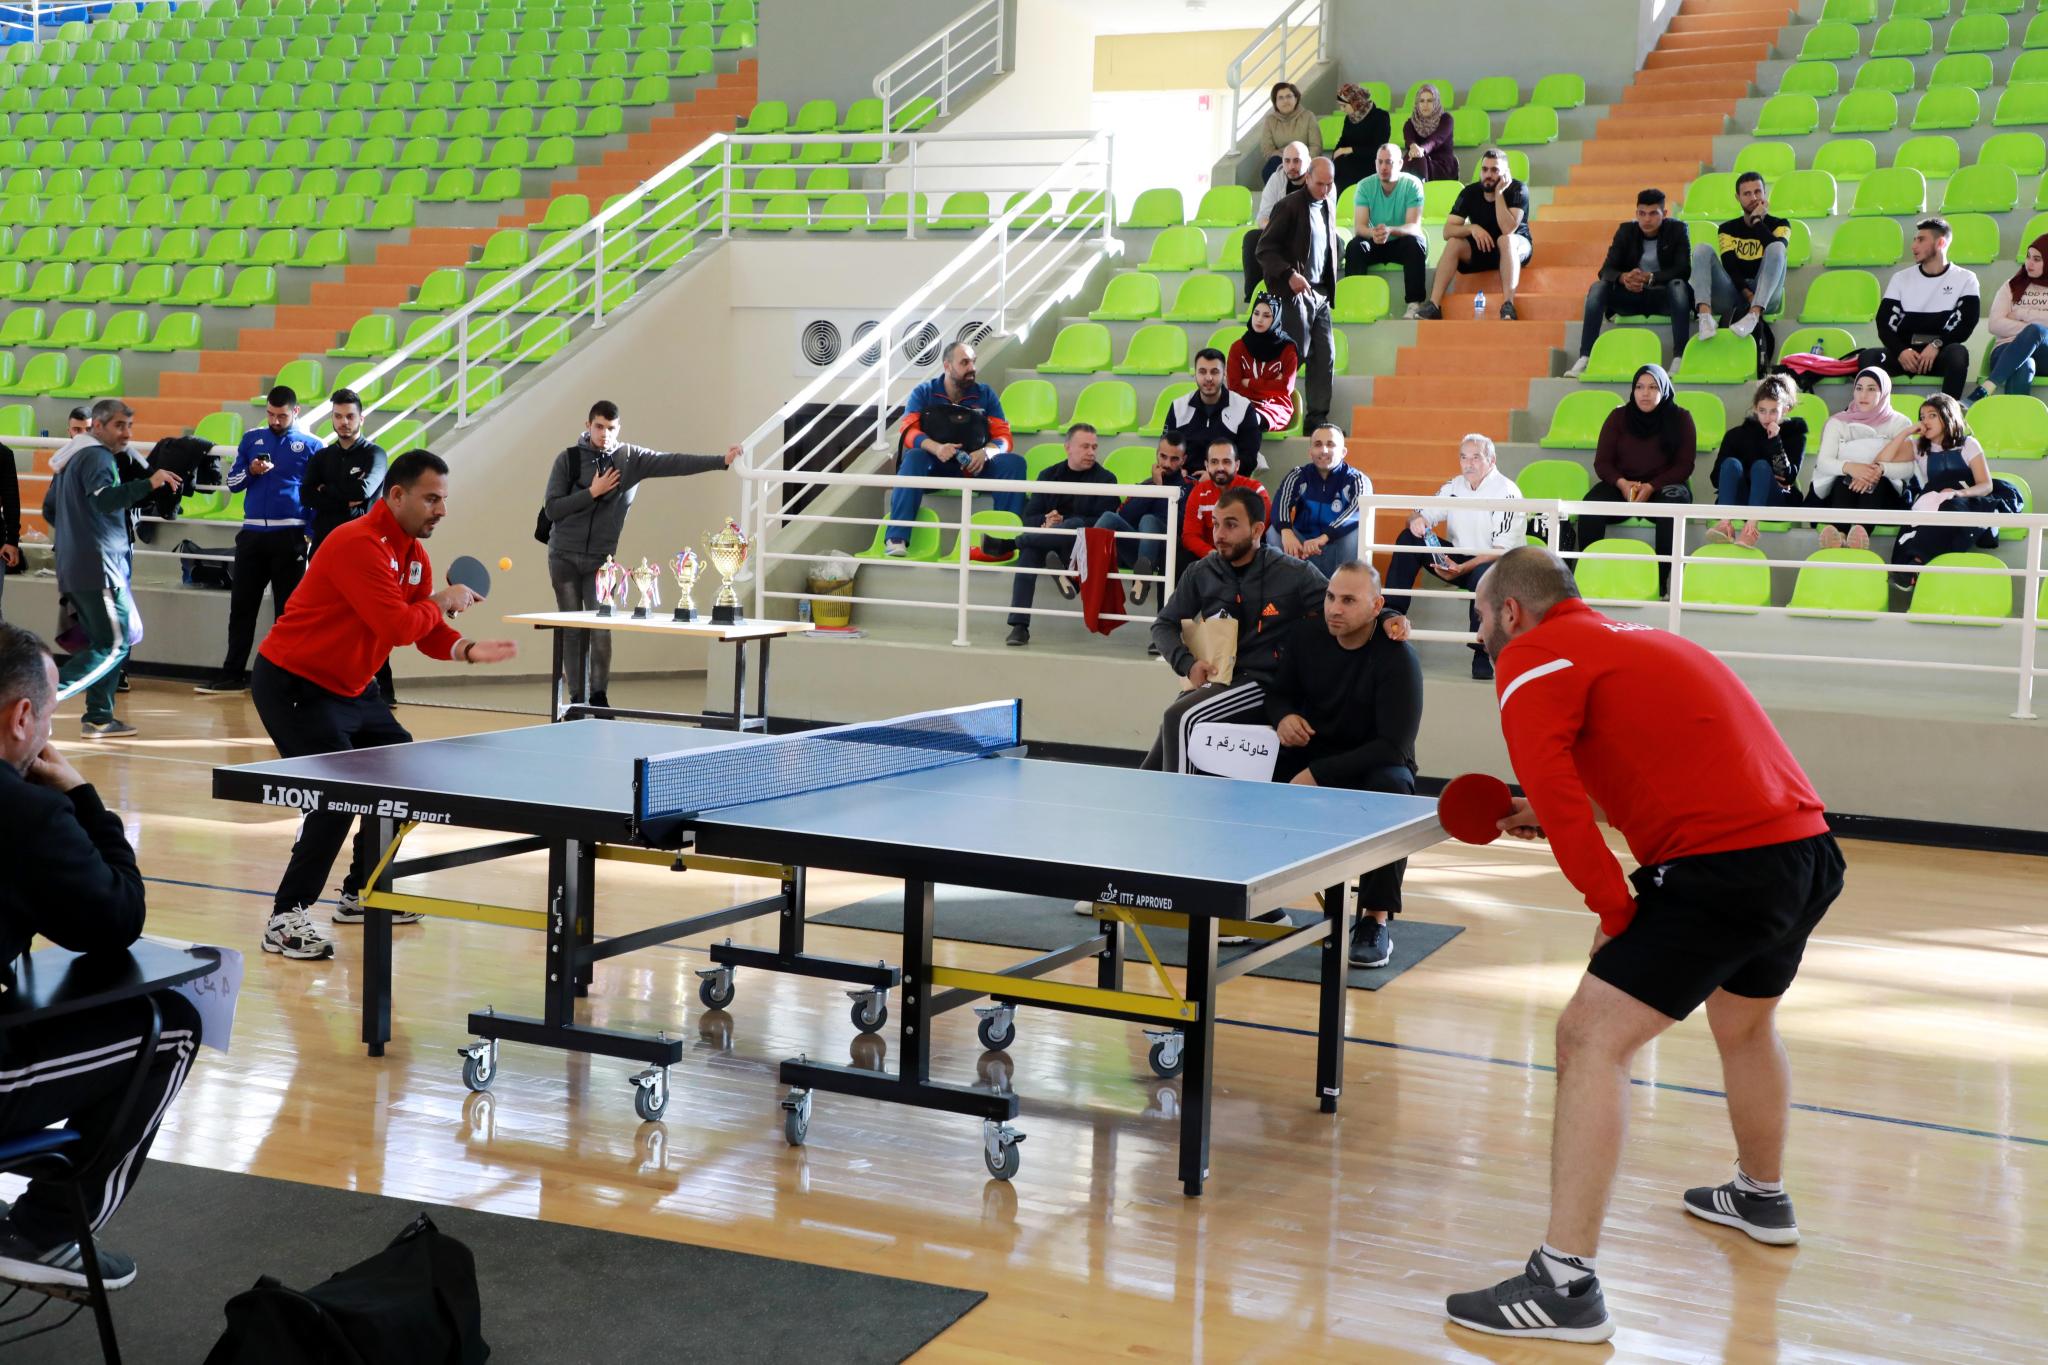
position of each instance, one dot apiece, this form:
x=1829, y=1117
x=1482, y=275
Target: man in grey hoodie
x=590, y=490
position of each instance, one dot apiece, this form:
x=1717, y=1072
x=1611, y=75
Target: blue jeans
x=904, y=502
x=1342, y=549
x=1604, y=300
x=1712, y=284
x=2014, y=363
x=1129, y=552
x=1751, y=485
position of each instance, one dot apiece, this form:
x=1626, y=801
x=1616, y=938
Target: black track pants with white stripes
x=74, y=1070
x=1243, y=703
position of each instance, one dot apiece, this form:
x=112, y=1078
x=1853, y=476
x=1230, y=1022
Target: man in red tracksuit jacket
x=370, y=590
x=1735, y=867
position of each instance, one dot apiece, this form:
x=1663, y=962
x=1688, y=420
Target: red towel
x=1094, y=573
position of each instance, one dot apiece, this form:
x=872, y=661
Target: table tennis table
x=939, y=797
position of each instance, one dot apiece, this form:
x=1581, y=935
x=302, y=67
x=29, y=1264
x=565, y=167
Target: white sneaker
x=1578, y=367
x=293, y=934
x=1414, y=312
x=1746, y=324
x=1707, y=327
x=1269, y=917
x=350, y=911
x=1084, y=907
x=895, y=549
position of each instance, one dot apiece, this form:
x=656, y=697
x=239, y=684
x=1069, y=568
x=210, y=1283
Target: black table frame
x=561, y=709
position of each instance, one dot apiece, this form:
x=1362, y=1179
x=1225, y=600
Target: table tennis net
x=692, y=781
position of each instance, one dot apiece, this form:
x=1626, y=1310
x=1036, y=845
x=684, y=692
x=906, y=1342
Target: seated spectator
x=1213, y=413
x=1758, y=465
x=1261, y=366
x=1644, y=273
x=1294, y=161
x=1950, y=473
x=1429, y=133
x=10, y=520
x=1347, y=703
x=953, y=427
x=1647, y=451
x=1150, y=516
x=2019, y=328
x=1487, y=230
x=1477, y=536
x=1740, y=275
x=1366, y=129
x=1850, y=470
x=1386, y=223
x=1317, y=508
x=77, y=423
x=1270, y=596
x=1220, y=471
x=1929, y=310
x=1288, y=122
x=1044, y=512
x=72, y=878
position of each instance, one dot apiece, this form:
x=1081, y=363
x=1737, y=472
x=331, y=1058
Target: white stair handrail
x=1297, y=39
x=943, y=65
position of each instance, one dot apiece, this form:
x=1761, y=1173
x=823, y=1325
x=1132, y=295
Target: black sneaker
x=105, y=729
x=1482, y=664
x=1429, y=311
x=1529, y=1305
x=1507, y=311
x=122, y=685
x=220, y=684
x=599, y=697
x=1766, y=1217
x=24, y=1261
x=1019, y=635
x=1143, y=568
x=1064, y=585
x=1372, y=943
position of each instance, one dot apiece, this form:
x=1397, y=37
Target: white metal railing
x=943, y=65
x=1284, y=51
x=24, y=20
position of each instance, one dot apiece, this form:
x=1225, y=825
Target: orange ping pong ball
x=505, y=563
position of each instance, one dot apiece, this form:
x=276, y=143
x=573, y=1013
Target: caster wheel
x=713, y=997
x=1005, y=1164
x=649, y=1102
x=1161, y=1063
x=477, y=1071
x=992, y=1037
x=870, y=1014
x=796, y=1117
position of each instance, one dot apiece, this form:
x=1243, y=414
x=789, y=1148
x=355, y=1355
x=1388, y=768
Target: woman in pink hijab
x=1848, y=472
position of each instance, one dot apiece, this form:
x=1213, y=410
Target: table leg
x=377, y=953
x=1109, y=967
x=1336, y=986
x=569, y=902
x=739, y=685
x=761, y=688
x=791, y=928
x=1198, y=1054
x=915, y=1038
x=556, y=676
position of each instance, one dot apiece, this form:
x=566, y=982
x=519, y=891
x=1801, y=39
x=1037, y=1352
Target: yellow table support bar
x=692, y=862
x=447, y=909
x=1066, y=993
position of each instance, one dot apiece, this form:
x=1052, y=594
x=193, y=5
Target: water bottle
x=1820, y=346
x=1479, y=305
x=803, y=610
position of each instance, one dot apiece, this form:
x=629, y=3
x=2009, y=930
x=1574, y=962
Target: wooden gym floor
x=1919, y=1161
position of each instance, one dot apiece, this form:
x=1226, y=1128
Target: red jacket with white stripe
x=1659, y=733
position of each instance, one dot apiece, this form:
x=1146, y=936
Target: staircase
x=228, y=377
x=1466, y=378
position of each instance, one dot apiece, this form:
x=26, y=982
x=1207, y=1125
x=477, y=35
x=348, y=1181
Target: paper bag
x=1214, y=641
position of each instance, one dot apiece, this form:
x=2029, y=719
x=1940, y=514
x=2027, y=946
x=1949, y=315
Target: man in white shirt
x=1280, y=184
x=1928, y=311
x=1474, y=536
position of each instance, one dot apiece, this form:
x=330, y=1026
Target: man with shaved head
x=1298, y=256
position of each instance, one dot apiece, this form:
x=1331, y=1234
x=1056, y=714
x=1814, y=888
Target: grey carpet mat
x=551, y=1292
x=1039, y=924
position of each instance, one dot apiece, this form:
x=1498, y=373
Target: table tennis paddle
x=469, y=571
x=1472, y=807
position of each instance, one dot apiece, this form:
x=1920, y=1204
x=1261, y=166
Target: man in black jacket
x=1347, y=703
x=1298, y=253
x=1647, y=271
x=72, y=878
x=1041, y=545
x=1213, y=413
x=10, y=518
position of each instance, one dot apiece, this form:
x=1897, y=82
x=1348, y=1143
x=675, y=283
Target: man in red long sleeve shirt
x=1735, y=867
x=370, y=590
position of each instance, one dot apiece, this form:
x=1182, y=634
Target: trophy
x=647, y=579
x=727, y=549
x=686, y=566
x=611, y=585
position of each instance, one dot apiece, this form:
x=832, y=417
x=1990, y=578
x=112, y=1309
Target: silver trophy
x=687, y=566
x=611, y=585
x=647, y=579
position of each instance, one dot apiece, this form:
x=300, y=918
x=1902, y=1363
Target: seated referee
x=368, y=591
x=1347, y=702
x=71, y=877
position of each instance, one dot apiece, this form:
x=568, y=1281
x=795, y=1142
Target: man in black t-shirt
x=1740, y=275
x=1488, y=229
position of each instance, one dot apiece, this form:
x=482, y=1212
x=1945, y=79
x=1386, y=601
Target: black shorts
x=1479, y=262
x=1735, y=921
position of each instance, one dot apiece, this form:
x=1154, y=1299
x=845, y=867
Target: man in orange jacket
x=370, y=590
x=1735, y=868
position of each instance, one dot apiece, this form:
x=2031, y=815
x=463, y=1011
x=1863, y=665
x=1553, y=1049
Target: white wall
x=1603, y=40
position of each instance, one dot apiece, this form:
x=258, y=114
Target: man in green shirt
x=1387, y=226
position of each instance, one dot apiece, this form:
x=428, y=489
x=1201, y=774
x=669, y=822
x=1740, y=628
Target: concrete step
x=244, y=359
x=1693, y=151
x=1697, y=69
x=1490, y=389
x=1729, y=88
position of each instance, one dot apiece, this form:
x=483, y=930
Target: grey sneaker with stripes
x=1766, y=1217
x=1529, y=1305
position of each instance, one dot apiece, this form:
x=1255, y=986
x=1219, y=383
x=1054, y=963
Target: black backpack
x=200, y=569
x=413, y=1303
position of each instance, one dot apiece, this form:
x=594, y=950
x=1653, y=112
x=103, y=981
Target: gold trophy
x=611, y=584
x=647, y=579
x=727, y=549
x=686, y=566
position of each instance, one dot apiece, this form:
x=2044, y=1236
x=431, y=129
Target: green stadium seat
x=1727, y=578
x=2036, y=35
x=2036, y=225
x=1805, y=194
x=862, y=116
x=1087, y=209
x=1891, y=190
x=1970, y=70
x=1842, y=296
x=101, y=283
x=1560, y=90
x=1156, y=348
x=254, y=287
x=816, y=116
x=440, y=292
x=1787, y=116
x=1204, y=298
x=1929, y=10
x=372, y=336
x=841, y=212
x=225, y=248
x=1029, y=215
x=1156, y=208
x=74, y=329
x=1130, y=298
x=50, y=283
x=2026, y=505
x=1817, y=79
x=963, y=211
x=1724, y=359
x=1846, y=158
x=1532, y=125
x=1830, y=42
x=43, y=375
x=896, y=212
x=1168, y=396
x=769, y=116
x=23, y=327
x=1361, y=299
x=1494, y=94
x=1177, y=249
x=323, y=249
x=1946, y=106
x=1471, y=127
x=1982, y=189
x=1031, y=405
x=2011, y=426
x=922, y=547
x=303, y=377
x=2022, y=153
x=1826, y=588
x=96, y=377
x=1630, y=579
x=18, y=419
x=1865, y=111
x=1893, y=75
x=1619, y=353
x=1709, y=413
x=1224, y=206
x=1866, y=242
x=176, y=332
x=1903, y=38
x=1080, y=348
x=1771, y=160
x=1976, y=239
x=1109, y=405
x=1934, y=155
x=1576, y=423
x=2021, y=105
x=1564, y=480
x=1980, y=33
x=1710, y=197
x=1971, y=599
x=125, y=331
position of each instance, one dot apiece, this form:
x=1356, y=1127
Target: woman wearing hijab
x=1366, y=129
x=2018, y=324
x=1852, y=470
x=1261, y=366
x=1428, y=132
x=1288, y=122
x=1646, y=453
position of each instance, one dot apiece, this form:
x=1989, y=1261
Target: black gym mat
x=551, y=1292
x=1040, y=924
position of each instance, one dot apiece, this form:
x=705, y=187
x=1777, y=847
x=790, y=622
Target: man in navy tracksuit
x=269, y=468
